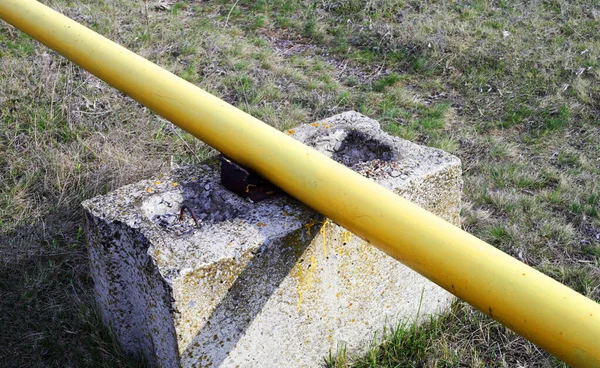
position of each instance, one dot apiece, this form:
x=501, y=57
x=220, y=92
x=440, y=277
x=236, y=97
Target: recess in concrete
x=268, y=284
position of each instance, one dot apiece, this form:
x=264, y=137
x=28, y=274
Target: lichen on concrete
x=266, y=284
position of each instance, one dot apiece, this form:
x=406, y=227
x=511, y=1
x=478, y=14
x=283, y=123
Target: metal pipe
x=544, y=311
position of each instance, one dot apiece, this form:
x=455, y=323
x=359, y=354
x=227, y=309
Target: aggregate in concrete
x=268, y=284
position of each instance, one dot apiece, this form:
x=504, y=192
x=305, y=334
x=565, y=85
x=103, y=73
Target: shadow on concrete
x=228, y=323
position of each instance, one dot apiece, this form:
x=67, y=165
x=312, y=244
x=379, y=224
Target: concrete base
x=268, y=284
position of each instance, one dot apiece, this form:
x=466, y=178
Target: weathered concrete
x=270, y=284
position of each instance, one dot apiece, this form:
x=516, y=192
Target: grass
x=446, y=341
x=512, y=88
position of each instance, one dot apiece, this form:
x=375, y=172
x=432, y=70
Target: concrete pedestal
x=268, y=284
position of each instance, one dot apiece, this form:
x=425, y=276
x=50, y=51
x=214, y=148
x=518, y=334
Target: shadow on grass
x=47, y=312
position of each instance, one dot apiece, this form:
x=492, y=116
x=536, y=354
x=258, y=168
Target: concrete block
x=268, y=284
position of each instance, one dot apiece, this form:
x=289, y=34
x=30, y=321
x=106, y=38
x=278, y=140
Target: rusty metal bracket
x=245, y=182
x=191, y=211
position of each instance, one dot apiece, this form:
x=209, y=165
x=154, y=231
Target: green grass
x=512, y=88
x=445, y=341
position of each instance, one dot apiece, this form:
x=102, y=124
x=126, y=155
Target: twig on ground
x=230, y=11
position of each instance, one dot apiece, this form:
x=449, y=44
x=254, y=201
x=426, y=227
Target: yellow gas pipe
x=544, y=311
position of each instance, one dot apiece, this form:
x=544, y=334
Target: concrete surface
x=268, y=284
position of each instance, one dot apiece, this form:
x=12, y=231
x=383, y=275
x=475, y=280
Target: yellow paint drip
x=304, y=278
x=364, y=246
x=310, y=225
x=323, y=232
x=347, y=236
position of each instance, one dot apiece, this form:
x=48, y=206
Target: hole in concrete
x=210, y=204
x=213, y=206
x=359, y=147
